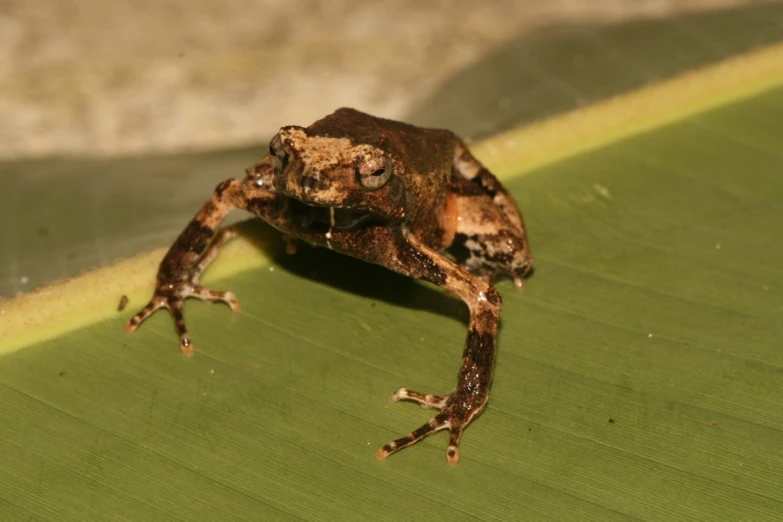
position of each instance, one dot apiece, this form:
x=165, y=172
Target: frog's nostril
x=308, y=182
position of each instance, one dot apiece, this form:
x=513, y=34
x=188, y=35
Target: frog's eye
x=374, y=173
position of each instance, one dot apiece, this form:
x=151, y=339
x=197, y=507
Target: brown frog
x=410, y=199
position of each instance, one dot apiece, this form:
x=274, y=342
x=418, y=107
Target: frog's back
x=423, y=150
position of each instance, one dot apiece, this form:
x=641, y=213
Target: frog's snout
x=310, y=182
x=305, y=185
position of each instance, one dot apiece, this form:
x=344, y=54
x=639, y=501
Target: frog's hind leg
x=489, y=233
x=486, y=241
x=471, y=169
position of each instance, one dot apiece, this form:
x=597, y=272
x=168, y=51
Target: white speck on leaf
x=271, y=269
x=602, y=191
x=717, y=246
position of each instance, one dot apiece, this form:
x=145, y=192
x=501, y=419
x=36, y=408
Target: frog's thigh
x=486, y=241
x=468, y=168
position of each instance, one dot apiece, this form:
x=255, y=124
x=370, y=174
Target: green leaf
x=638, y=376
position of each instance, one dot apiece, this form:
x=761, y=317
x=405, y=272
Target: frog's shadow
x=353, y=275
x=370, y=281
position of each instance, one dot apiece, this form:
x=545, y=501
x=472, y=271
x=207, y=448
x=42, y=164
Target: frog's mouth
x=324, y=219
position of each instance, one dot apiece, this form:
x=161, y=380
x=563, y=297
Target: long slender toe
x=434, y=425
x=175, y=307
x=452, y=454
x=143, y=314
x=425, y=400
x=223, y=297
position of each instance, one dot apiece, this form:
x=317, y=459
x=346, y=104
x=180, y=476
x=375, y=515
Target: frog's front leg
x=196, y=247
x=467, y=400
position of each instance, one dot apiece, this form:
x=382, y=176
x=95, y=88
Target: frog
x=411, y=199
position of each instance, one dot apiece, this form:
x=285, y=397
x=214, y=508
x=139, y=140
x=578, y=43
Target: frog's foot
x=171, y=297
x=455, y=414
x=179, y=278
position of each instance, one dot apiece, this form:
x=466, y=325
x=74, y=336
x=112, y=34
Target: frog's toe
x=434, y=425
x=452, y=453
x=425, y=400
x=209, y=295
x=185, y=344
x=151, y=307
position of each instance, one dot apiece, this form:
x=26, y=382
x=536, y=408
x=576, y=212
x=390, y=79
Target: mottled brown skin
x=413, y=200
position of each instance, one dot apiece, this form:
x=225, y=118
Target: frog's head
x=336, y=179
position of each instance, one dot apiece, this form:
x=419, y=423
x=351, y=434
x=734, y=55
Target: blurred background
x=117, y=118
x=117, y=77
